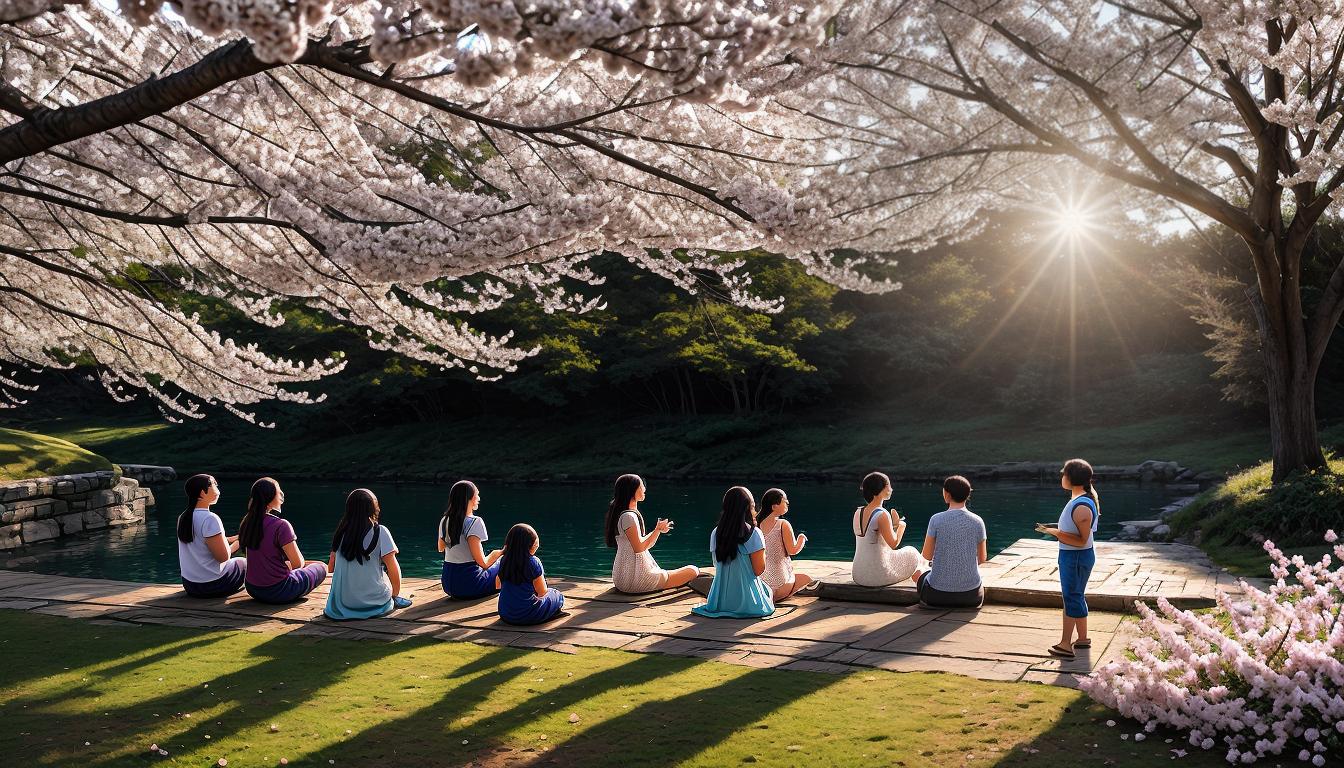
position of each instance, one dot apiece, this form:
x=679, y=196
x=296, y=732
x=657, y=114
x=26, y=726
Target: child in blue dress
x=523, y=595
x=739, y=560
x=365, y=575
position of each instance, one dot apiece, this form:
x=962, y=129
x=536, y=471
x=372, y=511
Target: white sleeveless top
x=875, y=563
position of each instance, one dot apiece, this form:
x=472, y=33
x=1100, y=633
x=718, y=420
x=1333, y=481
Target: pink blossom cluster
x=1262, y=675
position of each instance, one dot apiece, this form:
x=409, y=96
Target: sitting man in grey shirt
x=955, y=548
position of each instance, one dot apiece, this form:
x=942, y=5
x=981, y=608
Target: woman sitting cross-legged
x=365, y=575
x=204, y=553
x=634, y=570
x=523, y=595
x=276, y=570
x=780, y=546
x=468, y=572
x=739, y=561
x=879, y=558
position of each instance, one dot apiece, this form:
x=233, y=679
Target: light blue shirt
x=1066, y=521
x=957, y=534
x=366, y=584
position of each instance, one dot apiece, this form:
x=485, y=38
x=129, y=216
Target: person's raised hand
x=663, y=525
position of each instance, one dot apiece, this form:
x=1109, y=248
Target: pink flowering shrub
x=1261, y=675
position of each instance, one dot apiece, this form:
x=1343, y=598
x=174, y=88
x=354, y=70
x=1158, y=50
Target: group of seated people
x=752, y=549
x=753, y=566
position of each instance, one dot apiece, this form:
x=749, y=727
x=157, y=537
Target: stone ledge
x=46, y=508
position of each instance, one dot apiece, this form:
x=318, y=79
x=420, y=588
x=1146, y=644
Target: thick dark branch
x=1229, y=155
x=49, y=128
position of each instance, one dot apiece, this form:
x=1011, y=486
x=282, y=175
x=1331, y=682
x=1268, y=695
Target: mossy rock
x=25, y=455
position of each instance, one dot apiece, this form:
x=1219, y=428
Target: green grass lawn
x=1231, y=520
x=25, y=454
x=540, y=448
x=96, y=695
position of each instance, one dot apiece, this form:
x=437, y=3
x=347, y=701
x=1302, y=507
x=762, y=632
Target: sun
x=1073, y=221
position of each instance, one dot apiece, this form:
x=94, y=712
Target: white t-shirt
x=461, y=551
x=197, y=564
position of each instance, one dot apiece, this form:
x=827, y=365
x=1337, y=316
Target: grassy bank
x=581, y=448
x=1232, y=521
x=99, y=696
x=26, y=454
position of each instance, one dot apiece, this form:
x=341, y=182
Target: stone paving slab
x=1026, y=574
x=806, y=633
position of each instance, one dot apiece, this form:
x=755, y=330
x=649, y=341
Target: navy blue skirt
x=467, y=581
x=231, y=578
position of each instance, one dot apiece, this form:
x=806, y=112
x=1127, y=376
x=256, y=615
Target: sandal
x=1084, y=642
x=1061, y=652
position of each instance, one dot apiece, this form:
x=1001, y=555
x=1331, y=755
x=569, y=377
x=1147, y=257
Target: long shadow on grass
x=428, y=727
x=288, y=672
x=98, y=675
x=668, y=731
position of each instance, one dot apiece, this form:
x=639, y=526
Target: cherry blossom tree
x=1216, y=112
x=396, y=165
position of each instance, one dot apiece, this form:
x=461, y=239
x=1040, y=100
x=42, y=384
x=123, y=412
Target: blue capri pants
x=1075, y=568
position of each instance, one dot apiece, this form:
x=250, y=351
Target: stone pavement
x=995, y=643
x=1026, y=574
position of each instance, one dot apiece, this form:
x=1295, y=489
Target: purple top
x=267, y=564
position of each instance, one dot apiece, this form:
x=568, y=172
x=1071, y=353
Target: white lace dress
x=875, y=563
x=633, y=571
x=778, y=564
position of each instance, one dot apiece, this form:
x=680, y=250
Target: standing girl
x=203, y=552
x=879, y=558
x=276, y=570
x=739, y=561
x=523, y=595
x=365, y=575
x=780, y=547
x=634, y=569
x=468, y=572
x=1076, y=530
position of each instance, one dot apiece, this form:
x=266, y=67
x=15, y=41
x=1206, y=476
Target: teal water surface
x=569, y=520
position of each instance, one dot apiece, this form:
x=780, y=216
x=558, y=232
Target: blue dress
x=737, y=592
x=518, y=601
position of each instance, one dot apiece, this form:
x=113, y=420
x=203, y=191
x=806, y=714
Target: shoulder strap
x=864, y=530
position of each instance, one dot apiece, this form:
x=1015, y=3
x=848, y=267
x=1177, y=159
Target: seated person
x=955, y=547
x=739, y=560
x=365, y=574
x=204, y=553
x=879, y=558
x=524, y=597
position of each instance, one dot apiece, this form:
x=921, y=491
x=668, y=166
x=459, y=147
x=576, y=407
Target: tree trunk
x=1290, y=386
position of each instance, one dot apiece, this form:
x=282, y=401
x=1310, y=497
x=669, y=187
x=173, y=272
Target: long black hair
x=1079, y=472
x=196, y=485
x=768, y=501
x=361, y=515
x=736, y=521
x=263, y=493
x=621, y=496
x=455, y=516
x=517, y=550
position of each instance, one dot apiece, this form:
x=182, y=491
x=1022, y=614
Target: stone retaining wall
x=46, y=508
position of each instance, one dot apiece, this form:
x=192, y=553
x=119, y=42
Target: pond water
x=569, y=520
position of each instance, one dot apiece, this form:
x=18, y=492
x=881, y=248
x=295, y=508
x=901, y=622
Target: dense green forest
x=1004, y=326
